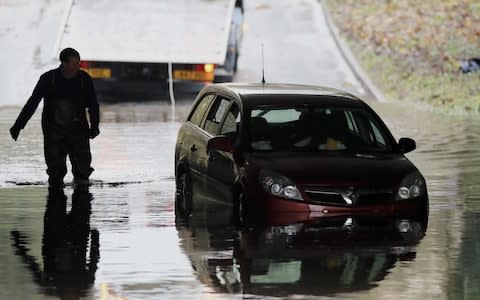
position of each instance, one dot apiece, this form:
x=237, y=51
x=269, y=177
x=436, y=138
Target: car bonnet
x=336, y=169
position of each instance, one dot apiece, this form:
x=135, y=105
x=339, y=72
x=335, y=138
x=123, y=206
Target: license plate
x=99, y=72
x=192, y=75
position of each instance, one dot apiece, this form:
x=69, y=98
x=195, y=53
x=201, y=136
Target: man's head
x=70, y=59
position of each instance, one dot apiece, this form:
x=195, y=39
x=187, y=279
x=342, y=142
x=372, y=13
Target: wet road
x=119, y=239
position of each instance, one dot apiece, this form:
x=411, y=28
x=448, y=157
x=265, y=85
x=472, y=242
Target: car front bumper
x=283, y=211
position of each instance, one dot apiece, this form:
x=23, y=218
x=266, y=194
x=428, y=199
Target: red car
x=288, y=153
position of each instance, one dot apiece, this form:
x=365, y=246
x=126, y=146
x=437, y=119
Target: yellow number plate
x=192, y=75
x=99, y=72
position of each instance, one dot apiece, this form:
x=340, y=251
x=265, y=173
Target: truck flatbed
x=153, y=31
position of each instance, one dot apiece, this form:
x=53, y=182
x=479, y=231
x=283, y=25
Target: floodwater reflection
x=323, y=257
x=145, y=256
x=70, y=248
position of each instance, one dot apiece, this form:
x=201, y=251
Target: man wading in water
x=67, y=92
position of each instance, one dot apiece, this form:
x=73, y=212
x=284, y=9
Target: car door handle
x=193, y=148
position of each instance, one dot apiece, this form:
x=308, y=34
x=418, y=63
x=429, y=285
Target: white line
x=170, y=89
x=61, y=29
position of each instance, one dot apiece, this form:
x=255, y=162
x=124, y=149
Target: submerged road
x=119, y=239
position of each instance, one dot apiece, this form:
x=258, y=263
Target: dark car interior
x=318, y=130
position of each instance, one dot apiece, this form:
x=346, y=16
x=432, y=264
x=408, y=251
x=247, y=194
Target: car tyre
x=183, y=195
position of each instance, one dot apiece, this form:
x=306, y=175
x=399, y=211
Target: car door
x=210, y=128
x=222, y=172
x=190, y=137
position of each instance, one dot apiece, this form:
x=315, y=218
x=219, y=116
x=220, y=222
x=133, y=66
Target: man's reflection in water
x=67, y=241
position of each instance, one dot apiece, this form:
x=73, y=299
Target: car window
x=352, y=125
x=277, y=115
x=232, y=121
x=377, y=136
x=197, y=116
x=215, y=115
x=316, y=129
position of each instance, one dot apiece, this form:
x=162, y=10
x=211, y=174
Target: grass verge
x=413, y=50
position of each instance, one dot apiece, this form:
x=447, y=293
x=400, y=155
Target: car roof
x=258, y=94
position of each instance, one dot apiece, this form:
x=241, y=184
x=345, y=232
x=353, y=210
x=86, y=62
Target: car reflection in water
x=322, y=257
x=67, y=238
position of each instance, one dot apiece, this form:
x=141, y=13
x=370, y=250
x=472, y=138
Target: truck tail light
x=84, y=64
x=207, y=68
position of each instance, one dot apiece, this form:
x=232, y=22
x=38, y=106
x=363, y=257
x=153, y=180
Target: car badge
x=350, y=196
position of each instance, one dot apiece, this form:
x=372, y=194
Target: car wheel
x=183, y=195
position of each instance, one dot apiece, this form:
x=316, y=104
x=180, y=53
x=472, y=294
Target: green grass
x=412, y=51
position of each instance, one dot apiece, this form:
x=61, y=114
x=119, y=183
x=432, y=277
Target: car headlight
x=412, y=186
x=279, y=185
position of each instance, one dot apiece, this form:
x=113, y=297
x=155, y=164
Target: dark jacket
x=65, y=101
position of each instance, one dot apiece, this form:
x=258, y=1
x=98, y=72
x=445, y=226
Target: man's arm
x=93, y=107
x=20, y=242
x=29, y=109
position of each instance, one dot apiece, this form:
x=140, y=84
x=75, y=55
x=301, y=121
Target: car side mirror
x=220, y=143
x=406, y=145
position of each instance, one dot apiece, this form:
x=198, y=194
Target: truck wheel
x=220, y=79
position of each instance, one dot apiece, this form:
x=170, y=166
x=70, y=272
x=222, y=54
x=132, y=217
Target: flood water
x=119, y=239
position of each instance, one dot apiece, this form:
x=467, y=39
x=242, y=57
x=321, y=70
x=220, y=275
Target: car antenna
x=263, y=68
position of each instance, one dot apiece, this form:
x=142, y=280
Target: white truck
x=132, y=48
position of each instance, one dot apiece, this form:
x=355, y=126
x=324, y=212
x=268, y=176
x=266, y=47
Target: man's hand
x=94, y=132
x=14, y=132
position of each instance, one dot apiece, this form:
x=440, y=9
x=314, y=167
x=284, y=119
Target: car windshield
x=317, y=129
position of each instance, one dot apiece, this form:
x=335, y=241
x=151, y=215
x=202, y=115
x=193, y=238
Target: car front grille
x=326, y=197
x=358, y=197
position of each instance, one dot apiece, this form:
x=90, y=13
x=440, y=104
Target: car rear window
x=197, y=115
